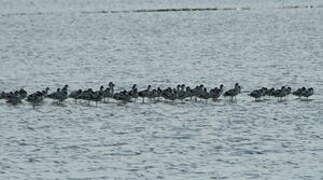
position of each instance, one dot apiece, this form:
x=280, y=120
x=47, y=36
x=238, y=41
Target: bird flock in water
x=180, y=92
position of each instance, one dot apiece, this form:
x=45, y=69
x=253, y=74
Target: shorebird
x=75, y=94
x=108, y=92
x=86, y=95
x=197, y=91
x=216, y=92
x=299, y=92
x=37, y=97
x=168, y=94
x=283, y=92
x=308, y=92
x=181, y=93
x=279, y=93
x=233, y=92
x=189, y=92
x=60, y=95
x=97, y=95
x=134, y=92
x=53, y=94
x=111, y=87
x=122, y=96
x=144, y=93
x=22, y=94
x=258, y=93
x=270, y=92
x=204, y=95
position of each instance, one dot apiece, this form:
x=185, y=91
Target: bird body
x=308, y=92
x=233, y=92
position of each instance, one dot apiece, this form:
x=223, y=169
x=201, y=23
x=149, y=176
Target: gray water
x=52, y=43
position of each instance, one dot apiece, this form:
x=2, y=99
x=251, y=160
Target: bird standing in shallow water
x=204, y=95
x=144, y=93
x=233, y=92
x=122, y=96
x=281, y=93
x=60, y=95
x=37, y=98
x=108, y=92
x=216, y=92
x=134, y=92
x=258, y=93
x=97, y=95
x=75, y=95
x=308, y=92
x=22, y=94
x=299, y=92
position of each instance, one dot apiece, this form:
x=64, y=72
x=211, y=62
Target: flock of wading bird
x=181, y=92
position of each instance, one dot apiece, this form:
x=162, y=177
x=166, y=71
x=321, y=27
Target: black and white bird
x=233, y=92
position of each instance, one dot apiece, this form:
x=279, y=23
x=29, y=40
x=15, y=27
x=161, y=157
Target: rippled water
x=217, y=140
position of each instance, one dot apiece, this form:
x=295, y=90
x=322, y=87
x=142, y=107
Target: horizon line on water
x=202, y=9
x=169, y=10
